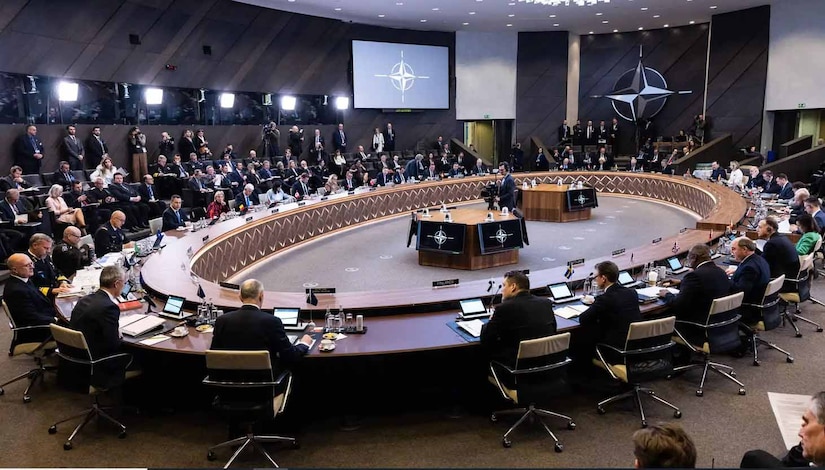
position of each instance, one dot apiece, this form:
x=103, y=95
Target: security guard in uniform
x=68, y=257
x=46, y=276
x=110, y=238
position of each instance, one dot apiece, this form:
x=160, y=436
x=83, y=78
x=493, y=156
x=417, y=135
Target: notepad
x=142, y=325
x=654, y=291
x=570, y=311
x=471, y=326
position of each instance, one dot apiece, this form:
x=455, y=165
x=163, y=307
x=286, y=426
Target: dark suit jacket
x=781, y=256
x=565, y=132
x=94, y=151
x=521, y=317
x=507, y=193
x=337, y=142
x=771, y=188
x=718, y=173
x=786, y=192
x=24, y=153
x=180, y=170
x=251, y=329
x=751, y=277
x=62, y=179
x=170, y=220
x=122, y=193
x=185, y=147
x=7, y=183
x=351, y=185
x=757, y=182
x=73, y=149
x=411, y=169
x=241, y=199
x=29, y=307
x=381, y=179
x=298, y=189
x=389, y=140
x=696, y=292
x=97, y=317
x=143, y=192
x=6, y=213
x=610, y=316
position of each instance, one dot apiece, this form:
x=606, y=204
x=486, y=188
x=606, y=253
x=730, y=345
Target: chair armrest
x=32, y=327
x=691, y=323
x=604, y=362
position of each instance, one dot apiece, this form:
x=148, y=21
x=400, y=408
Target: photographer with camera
x=507, y=190
x=166, y=146
x=295, y=142
x=137, y=148
x=270, y=140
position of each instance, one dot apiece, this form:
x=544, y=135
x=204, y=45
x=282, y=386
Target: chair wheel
x=819, y=330
x=27, y=399
x=699, y=393
x=742, y=391
x=210, y=456
x=122, y=435
x=732, y=373
x=789, y=360
x=756, y=363
x=571, y=425
x=2, y=392
x=644, y=424
x=67, y=446
x=799, y=335
x=558, y=447
x=600, y=410
x=677, y=414
x=296, y=444
x=506, y=443
x=52, y=429
x=493, y=418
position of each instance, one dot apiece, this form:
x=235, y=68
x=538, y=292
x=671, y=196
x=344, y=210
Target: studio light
x=227, y=100
x=342, y=102
x=288, y=103
x=555, y=3
x=153, y=95
x=67, y=91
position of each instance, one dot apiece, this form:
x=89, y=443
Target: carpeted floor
x=350, y=261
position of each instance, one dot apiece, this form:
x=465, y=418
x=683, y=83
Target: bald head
x=117, y=219
x=252, y=292
x=20, y=265
x=71, y=235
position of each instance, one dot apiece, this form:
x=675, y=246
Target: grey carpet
x=350, y=261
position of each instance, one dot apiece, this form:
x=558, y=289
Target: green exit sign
x=801, y=106
x=486, y=116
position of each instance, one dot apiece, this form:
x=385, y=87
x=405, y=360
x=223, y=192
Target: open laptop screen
x=674, y=264
x=625, y=278
x=472, y=306
x=288, y=316
x=560, y=290
x=174, y=305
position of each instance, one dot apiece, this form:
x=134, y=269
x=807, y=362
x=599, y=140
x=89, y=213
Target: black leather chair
x=770, y=318
x=801, y=293
x=34, y=349
x=646, y=356
x=539, y=373
x=247, y=393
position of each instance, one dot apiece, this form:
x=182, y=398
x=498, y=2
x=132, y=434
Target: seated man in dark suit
x=520, y=316
x=384, y=177
x=247, y=198
x=778, y=251
x=813, y=207
x=634, y=166
x=149, y=194
x=349, y=183
x=770, y=186
x=717, y=172
x=456, y=171
x=300, y=189
x=751, y=276
x=194, y=164
x=251, y=329
x=63, y=176
x=109, y=238
x=96, y=315
x=480, y=168
x=755, y=180
x=14, y=180
x=200, y=192
x=786, y=190
x=699, y=287
x=608, y=319
x=666, y=169
x=126, y=195
x=27, y=305
x=174, y=216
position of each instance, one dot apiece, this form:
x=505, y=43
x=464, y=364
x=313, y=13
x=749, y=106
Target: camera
x=489, y=193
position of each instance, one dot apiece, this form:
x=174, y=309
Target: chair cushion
x=620, y=370
x=30, y=348
x=130, y=374
x=705, y=347
x=511, y=394
x=790, y=297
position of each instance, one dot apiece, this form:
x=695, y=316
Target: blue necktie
x=34, y=144
x=151, y=193
x=178, y=215
x=247, y=202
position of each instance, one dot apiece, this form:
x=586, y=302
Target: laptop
x=626, y=280
x=473, y=308
x=174, y=308
x=289, y=318
x=560, y=293
x=676, y=266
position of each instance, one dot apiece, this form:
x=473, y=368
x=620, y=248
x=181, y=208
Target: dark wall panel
x=541, y=85
x=679, y=54
x=737, y=74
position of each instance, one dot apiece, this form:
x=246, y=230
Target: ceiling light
x=713, y=7
x=288, y=103
x=511, y=3
x=338, y=9
x=615, y=30
x=552, y=16
x=667, y=25
x=555, y=24
x=510, y=15
x=556, y=3
x=692, y=22
x=398, y=4
x=640, y=28
x=436, y=9
x=423, y=21
x=67, y=91
x=381, y=16
x=644, y=8
x=291, y=1
x=472, y=13
x=509, y=24
x=465, y=24
x=605, y=22
x=591, y=32
x=599, y=14
x=227, y=100
x=153, y=95
x=342, y=102
x=656, y=16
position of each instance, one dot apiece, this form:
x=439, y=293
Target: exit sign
x=486, y=116
x=801, y=106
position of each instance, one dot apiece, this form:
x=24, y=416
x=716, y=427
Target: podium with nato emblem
x=558, y=203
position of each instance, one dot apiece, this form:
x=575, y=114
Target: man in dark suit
x=608, y=319
x=785, y=188
x=317, y=146
x=237, y=178
x=339, y=139
x=578, y=131
x=399, y=177
x=755, y=180
x=565, y=133
x=195, y=164
x=27, y=305
x=63, y=175
x=300, y=189
x=173, y=216
x=589, y=133
x=697, y=290
x=751, y=276
x=383, y=178
x=109, y=238
x=350, y=182
x=149, y=194
x=389, y=138
x=251, y=329
x=812, y=207
x=125, y=195
x=246, y=198
x=14, y=180
x=507, y=190
x=28, y=151
x=602, y=133
x=73, y=148
x=778, y=251
x=12, y=207
x=717, y=172
x=415, y=168
x=520, y=316
x=480, y=169
x=96, y=148
x=96, y=316
x=770, y=186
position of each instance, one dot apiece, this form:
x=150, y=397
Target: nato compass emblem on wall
x=403, y=76
x=640, y=93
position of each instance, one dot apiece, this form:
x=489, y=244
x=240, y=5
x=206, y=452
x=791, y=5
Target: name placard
x=576, y=262
x=656, y=241
x=526, y=272
x=205, y=239
x=274, y=210
x=683, y=230
x=302, y=203
x=321, y=290
x=249, y=219
x=618, y=252
x=445, y=283
x=229, y=285
x=350, y=192
x=324, y=198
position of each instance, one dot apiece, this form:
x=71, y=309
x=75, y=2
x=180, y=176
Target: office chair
x=155, y=224
x=770, y=318
x=646, y=356
x=540, y=367
x=35, y=349
x=72, y=347
x=721, y=335
x=802, y=293
x=248, y=393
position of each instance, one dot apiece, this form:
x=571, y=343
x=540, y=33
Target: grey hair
x=110, y=275
x=56, y=188
x=39, y=237
x=251, y=289
x=817, y=407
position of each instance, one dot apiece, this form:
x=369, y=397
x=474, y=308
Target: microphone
x=490, y=305
x=490, y=285
x=149, y=303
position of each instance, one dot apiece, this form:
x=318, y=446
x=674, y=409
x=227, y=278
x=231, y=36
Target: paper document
x=785, y=226
x=654, y=291
x=570, y=311
x=142, y=325
x=154, y=340
x=788, y=410
x=128, y=319
x=73, y=291
x=471, y=326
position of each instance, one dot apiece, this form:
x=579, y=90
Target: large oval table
x=412, y=319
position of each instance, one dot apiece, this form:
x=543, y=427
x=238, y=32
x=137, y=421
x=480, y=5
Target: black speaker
x=134, y=39
x=207, y=50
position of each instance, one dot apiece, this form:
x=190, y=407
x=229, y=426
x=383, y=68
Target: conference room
x=557, y=160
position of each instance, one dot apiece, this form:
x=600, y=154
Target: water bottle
x=328, y=324
x=92, y=255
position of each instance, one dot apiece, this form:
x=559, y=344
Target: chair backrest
x=73, y=339
x=771, y=316
x=722, y=327
x=155, y=224
x=79, y=175
x=542, y=353
x=817, y=245
x=242, y=376
x=647, y=353
x=12, y=324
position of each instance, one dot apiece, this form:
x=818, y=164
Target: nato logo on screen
x=407, y=76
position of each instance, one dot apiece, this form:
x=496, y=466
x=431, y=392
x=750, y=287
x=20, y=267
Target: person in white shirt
x=736, y=178
x=378, y=141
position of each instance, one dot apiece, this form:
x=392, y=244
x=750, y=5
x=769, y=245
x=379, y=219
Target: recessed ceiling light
x=605, y=21
x=657, y=16
x=423, y=21
x=398, y=4
x=508, y=24
x=615, y=30
x=640, y=28
x=472, y=13
x=599, y=14
x=644, y=8
x=291, y=1
x=591, y=32
x=338, y=9
x=555, y=24
x=436, y=9
x=692, y=22
x=510, y=15
x=713, y=7
x=552, y=16
x=381, y=16
x=465, y=24
x=667, y=25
